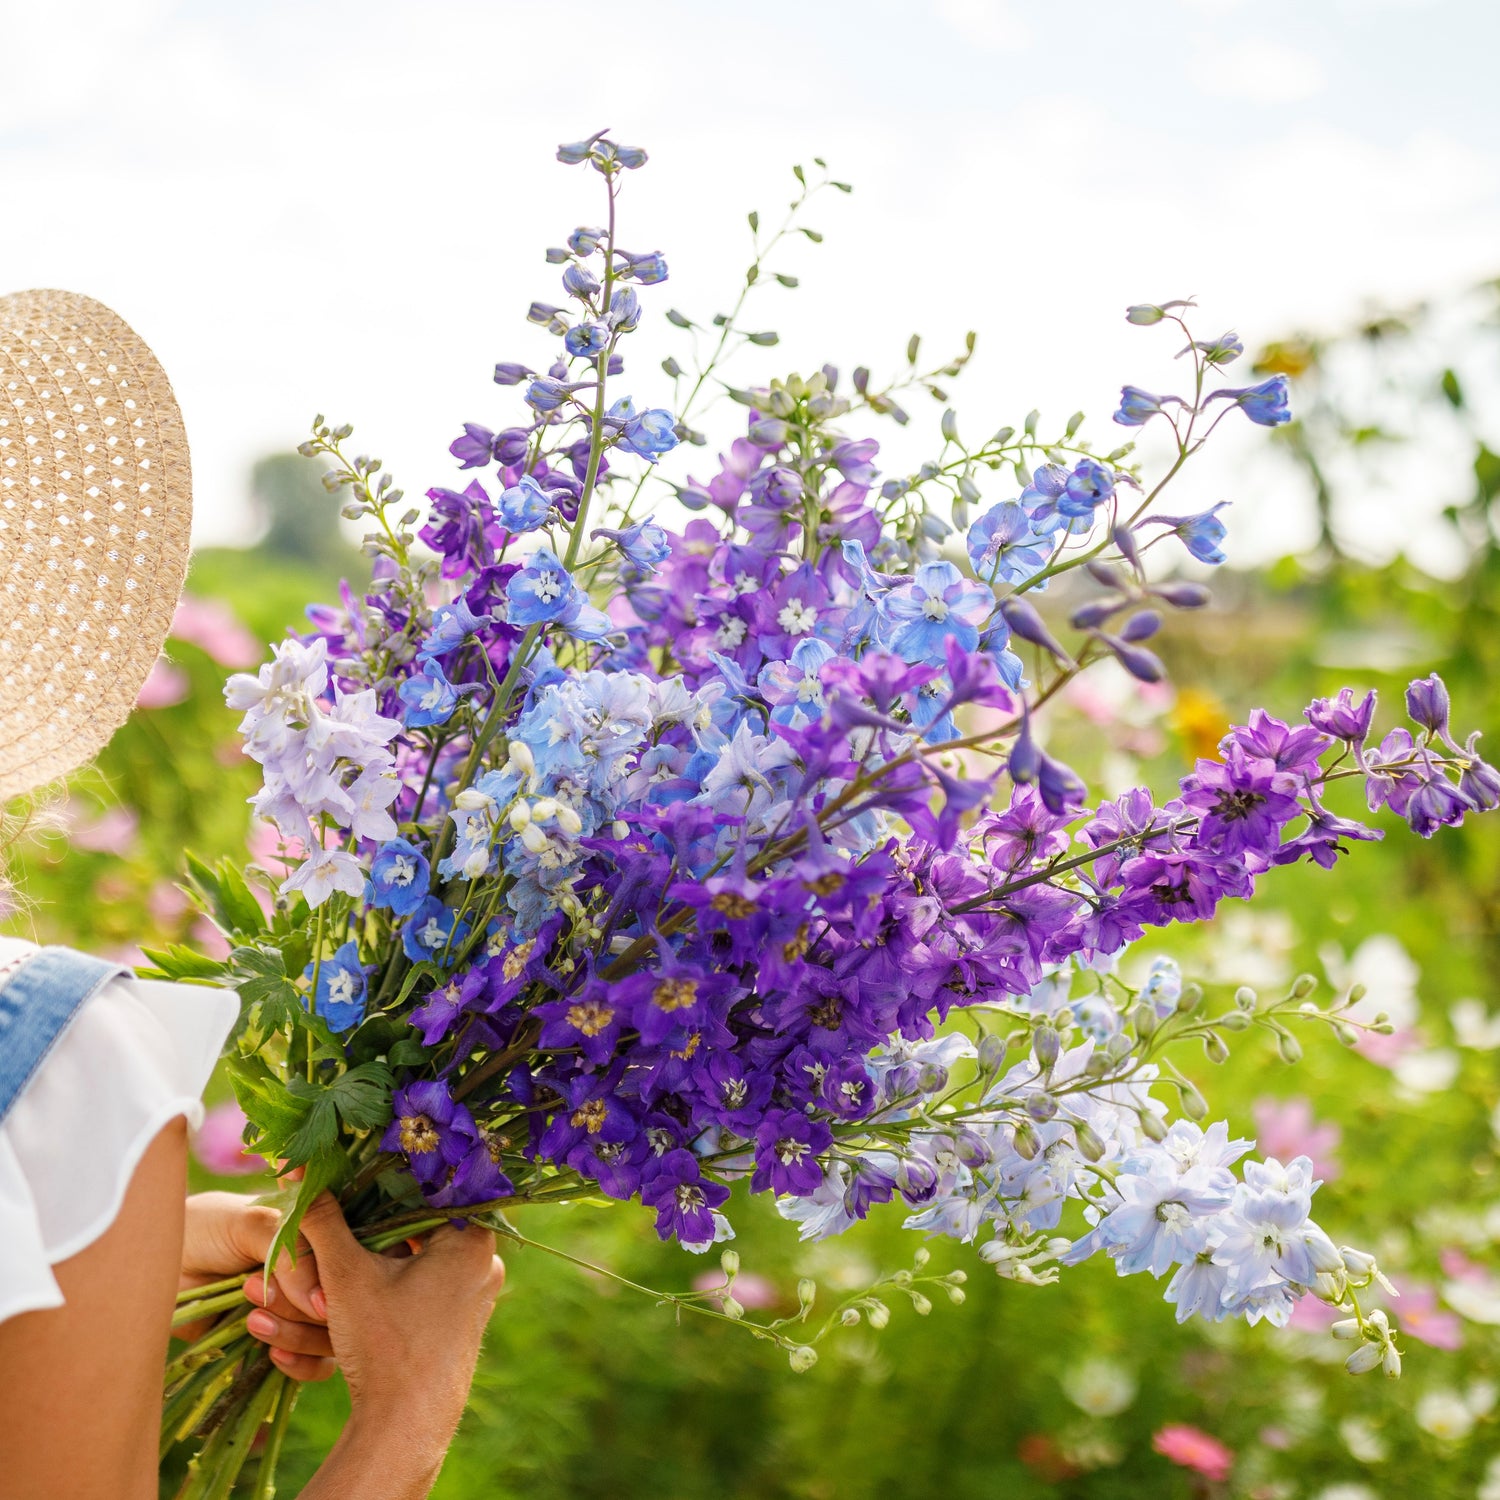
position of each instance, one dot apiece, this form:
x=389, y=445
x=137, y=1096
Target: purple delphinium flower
x=431, y=1129
x=1341, y=717
x=1243, y=802
x=787, y=1144
x=475, y=449
x=684, y=1200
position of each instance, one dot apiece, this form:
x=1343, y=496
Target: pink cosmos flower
x=1284, y=1128
x=164, y=686
x=1423, y=1319
x=1192, y=1449
x=210, y=625
x=219, y=1143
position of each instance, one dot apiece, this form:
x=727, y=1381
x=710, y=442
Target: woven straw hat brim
x=95, y=515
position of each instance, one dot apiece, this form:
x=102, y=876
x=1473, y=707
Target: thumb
x=323, y=1226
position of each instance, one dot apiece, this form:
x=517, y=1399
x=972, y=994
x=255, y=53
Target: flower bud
x=730, y=1308
x=992, y=1054
x=1358, y=1262
x=1304, y=985
x=1188, y=1000
x=1144, y=314
x=1090, y=1147
x=1427, y=703
x=1289, y=1047
x=568, y=820
x=957, y=1296
x=1363, y=1360
x=1234, y=1020
x=1215, y=1048
x=1046, y=1044
x=1391, y=1362
x=519, y=816
x=956, y=1278
x=1194, y=1105
x=534, y=839
x=876, y=1312
x=1246, y=998
x=807, y=1291
x=920, y=1304
x=1151, y=1125
x=1026, y=1142
x=1143, y=1019
x=802, y=1358
x=1347, y=1328
x=849, y=1317
x=729, y=1263
x=1041, y=1106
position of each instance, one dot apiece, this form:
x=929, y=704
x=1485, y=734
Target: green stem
x=265, y=1480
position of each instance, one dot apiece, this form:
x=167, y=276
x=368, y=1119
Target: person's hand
x=223, y=1234
x=406, y=1332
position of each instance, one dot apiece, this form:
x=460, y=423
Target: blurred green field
x=585, y=1390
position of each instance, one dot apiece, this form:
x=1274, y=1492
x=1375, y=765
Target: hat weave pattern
x=95, y=515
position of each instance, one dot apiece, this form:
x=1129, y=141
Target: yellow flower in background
x=1199, y=720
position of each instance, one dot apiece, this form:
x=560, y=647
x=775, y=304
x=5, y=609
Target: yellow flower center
x=736, y=907
x=676, y=994
x=418, y=1135
x=517, y=959
x=590, y=1116
x=590, y=1016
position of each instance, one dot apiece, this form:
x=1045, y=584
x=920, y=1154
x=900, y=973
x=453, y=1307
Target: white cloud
x=1255, y=70
x=994, y=25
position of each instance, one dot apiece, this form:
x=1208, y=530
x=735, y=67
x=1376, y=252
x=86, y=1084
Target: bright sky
x=341, y=207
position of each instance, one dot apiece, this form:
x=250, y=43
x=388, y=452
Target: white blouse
x=136, y=1055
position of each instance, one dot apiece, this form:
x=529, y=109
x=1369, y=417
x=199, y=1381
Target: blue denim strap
x=37, y=1004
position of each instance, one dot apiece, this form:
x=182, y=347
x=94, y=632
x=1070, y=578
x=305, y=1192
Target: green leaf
x=325, y=1170
x=319, y=1130
x=226, y=896
x=362, y=1096
x=176, y=962
x=426, y=969
x=260, y=977
x=269, y=1105
x=408, y=1053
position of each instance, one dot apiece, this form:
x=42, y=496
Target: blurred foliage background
x=586, y=1390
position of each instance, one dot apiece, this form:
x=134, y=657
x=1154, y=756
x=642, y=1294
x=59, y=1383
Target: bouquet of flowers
x=635, y=863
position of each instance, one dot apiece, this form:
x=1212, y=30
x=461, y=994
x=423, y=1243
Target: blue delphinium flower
x=585, y=340
x=1201, y=534
x=398, y=877
x=938, y=602
x=342, y=988
x=541, y=591
x=1003, y=547
x=525, y=505
x=650, y=434
x=430, y=930
x=1266, y=404
x=428, y=695
x=1137, y=407
x=1089, y=484
x=452, y=625
x=644, y=543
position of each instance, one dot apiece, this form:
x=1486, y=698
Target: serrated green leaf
x=325, y=1170
x=319, y=1129
x=177, y=962
x=269, y=1105
x=362, y=1096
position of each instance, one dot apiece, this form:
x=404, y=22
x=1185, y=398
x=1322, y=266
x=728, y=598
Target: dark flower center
x=418, y=1135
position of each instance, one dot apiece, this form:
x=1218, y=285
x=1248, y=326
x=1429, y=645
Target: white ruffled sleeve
x=135, y=1056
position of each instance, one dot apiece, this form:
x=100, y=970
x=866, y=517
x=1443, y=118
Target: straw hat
x=95, y=506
